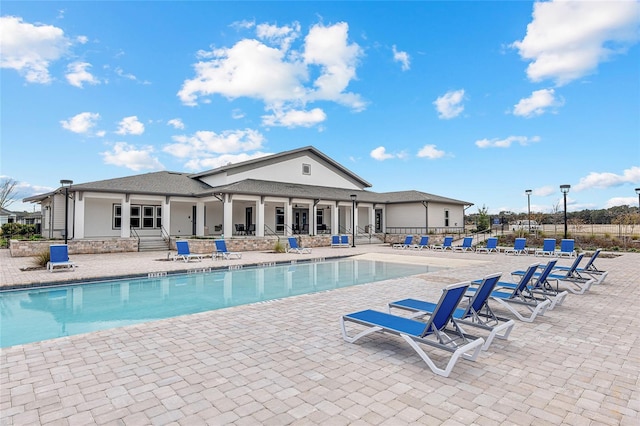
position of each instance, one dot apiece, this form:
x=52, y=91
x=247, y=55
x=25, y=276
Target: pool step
x=153, y=244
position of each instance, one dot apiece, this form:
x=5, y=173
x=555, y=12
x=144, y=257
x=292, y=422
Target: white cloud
x=621, y=201
x=537, y=103
x=569, y=39
x=30, y=49
x=506, y=143
x=294, y=118
x=450, y=105
x=222, y=160
x=380, y=154
x=607, y=180
x=402, y=57
x=272, y=71
x=176, y=123
x=431, y=152
x=78, y=74
x=237, y=114
x=545, y=191
x=283, y=36
x=81, y=123
x=204, y=145
x=128, y=156
x=130, y=126
x=120, y=72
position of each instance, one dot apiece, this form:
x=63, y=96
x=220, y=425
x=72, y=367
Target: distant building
x=298, y=191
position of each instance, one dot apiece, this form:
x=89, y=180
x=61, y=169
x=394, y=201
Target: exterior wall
x=409, y=215
x=288, y=171
x=98, y=220
x=181, y=218
x=19, y=248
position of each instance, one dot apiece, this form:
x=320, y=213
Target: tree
x=483, y=219
x=7, y=192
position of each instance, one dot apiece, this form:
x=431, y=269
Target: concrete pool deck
x=284, y=361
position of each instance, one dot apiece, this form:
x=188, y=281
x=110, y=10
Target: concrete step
x=153, y=244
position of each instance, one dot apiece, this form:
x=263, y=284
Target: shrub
x=42, y=258
x=279, y=247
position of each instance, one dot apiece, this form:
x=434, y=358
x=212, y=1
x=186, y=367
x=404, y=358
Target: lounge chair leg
x=558, y=299
x=504, y=328
x=540, y=309
x=475, y=345
x=350, y=339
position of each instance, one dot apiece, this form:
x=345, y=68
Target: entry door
x=379, y=220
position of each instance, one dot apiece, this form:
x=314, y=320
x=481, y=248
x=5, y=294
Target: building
x=301, y=191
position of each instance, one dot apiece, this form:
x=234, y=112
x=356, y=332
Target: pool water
x=44, y=313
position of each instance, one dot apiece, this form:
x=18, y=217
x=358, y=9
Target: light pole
x=528, y=192
x=565, y=191
x=353, y=219
x=66, y=183
x=638, y=192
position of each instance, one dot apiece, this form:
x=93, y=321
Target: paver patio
x=284, y=362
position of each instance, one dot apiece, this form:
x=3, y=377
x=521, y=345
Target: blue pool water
x=48, y=312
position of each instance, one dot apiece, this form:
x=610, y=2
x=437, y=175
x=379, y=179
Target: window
x=148, y=216
x=306, y=169
x=117, y=216
x=446, y=218
x=141, y=216
x=320, y=216
x=279, y=219
x=158, y=217
x=135, y=217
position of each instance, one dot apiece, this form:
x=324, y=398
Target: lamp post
x=66, y=183
x=528, y=192
x=565, y=191
x=638, y=192
x=353, y=219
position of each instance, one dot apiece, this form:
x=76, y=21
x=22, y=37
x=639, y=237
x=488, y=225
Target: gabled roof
x=276, y=158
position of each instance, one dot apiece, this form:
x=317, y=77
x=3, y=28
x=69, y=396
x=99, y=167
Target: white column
x=372, y=218
x=78, y=216
x=260, y=218
x=166, y=215
x=335, y=228
x=125, y=225
x=200, y=218
x=227, y=220
x=288, y=218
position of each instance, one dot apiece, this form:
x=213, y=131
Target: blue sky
x=477, y=101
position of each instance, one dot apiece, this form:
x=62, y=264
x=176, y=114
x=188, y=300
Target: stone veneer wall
x=23, y=248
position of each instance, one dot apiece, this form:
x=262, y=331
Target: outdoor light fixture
x=565, y=190
x=528, y=192
x=66, y=183
x=353, y=219
x=638, y=192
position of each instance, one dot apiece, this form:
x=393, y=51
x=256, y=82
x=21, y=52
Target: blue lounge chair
x=589, y=268
x=521, y=296
x=446, y=244
x=539, y=284
x=415, y=332
x=339, y=241
x=221, y=251
x=185, y=254
x=476, y=314
x=407, y=242
x=59, y=258
x=467, y=245
x=491, y=247
x=422, y=244
x=572, y=279
x=567, y=248
x=519, y=247
x=295, y=248
x=548, y=248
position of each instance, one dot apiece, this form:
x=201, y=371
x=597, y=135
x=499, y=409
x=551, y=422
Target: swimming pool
x=43, y=313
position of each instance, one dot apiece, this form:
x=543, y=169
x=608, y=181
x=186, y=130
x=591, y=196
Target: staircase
x=364, y=239
x=153, y=244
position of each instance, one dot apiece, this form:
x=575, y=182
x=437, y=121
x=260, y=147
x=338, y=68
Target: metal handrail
x=135, y=234
x=163, y=233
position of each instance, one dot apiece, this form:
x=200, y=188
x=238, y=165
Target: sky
x=476, y=101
